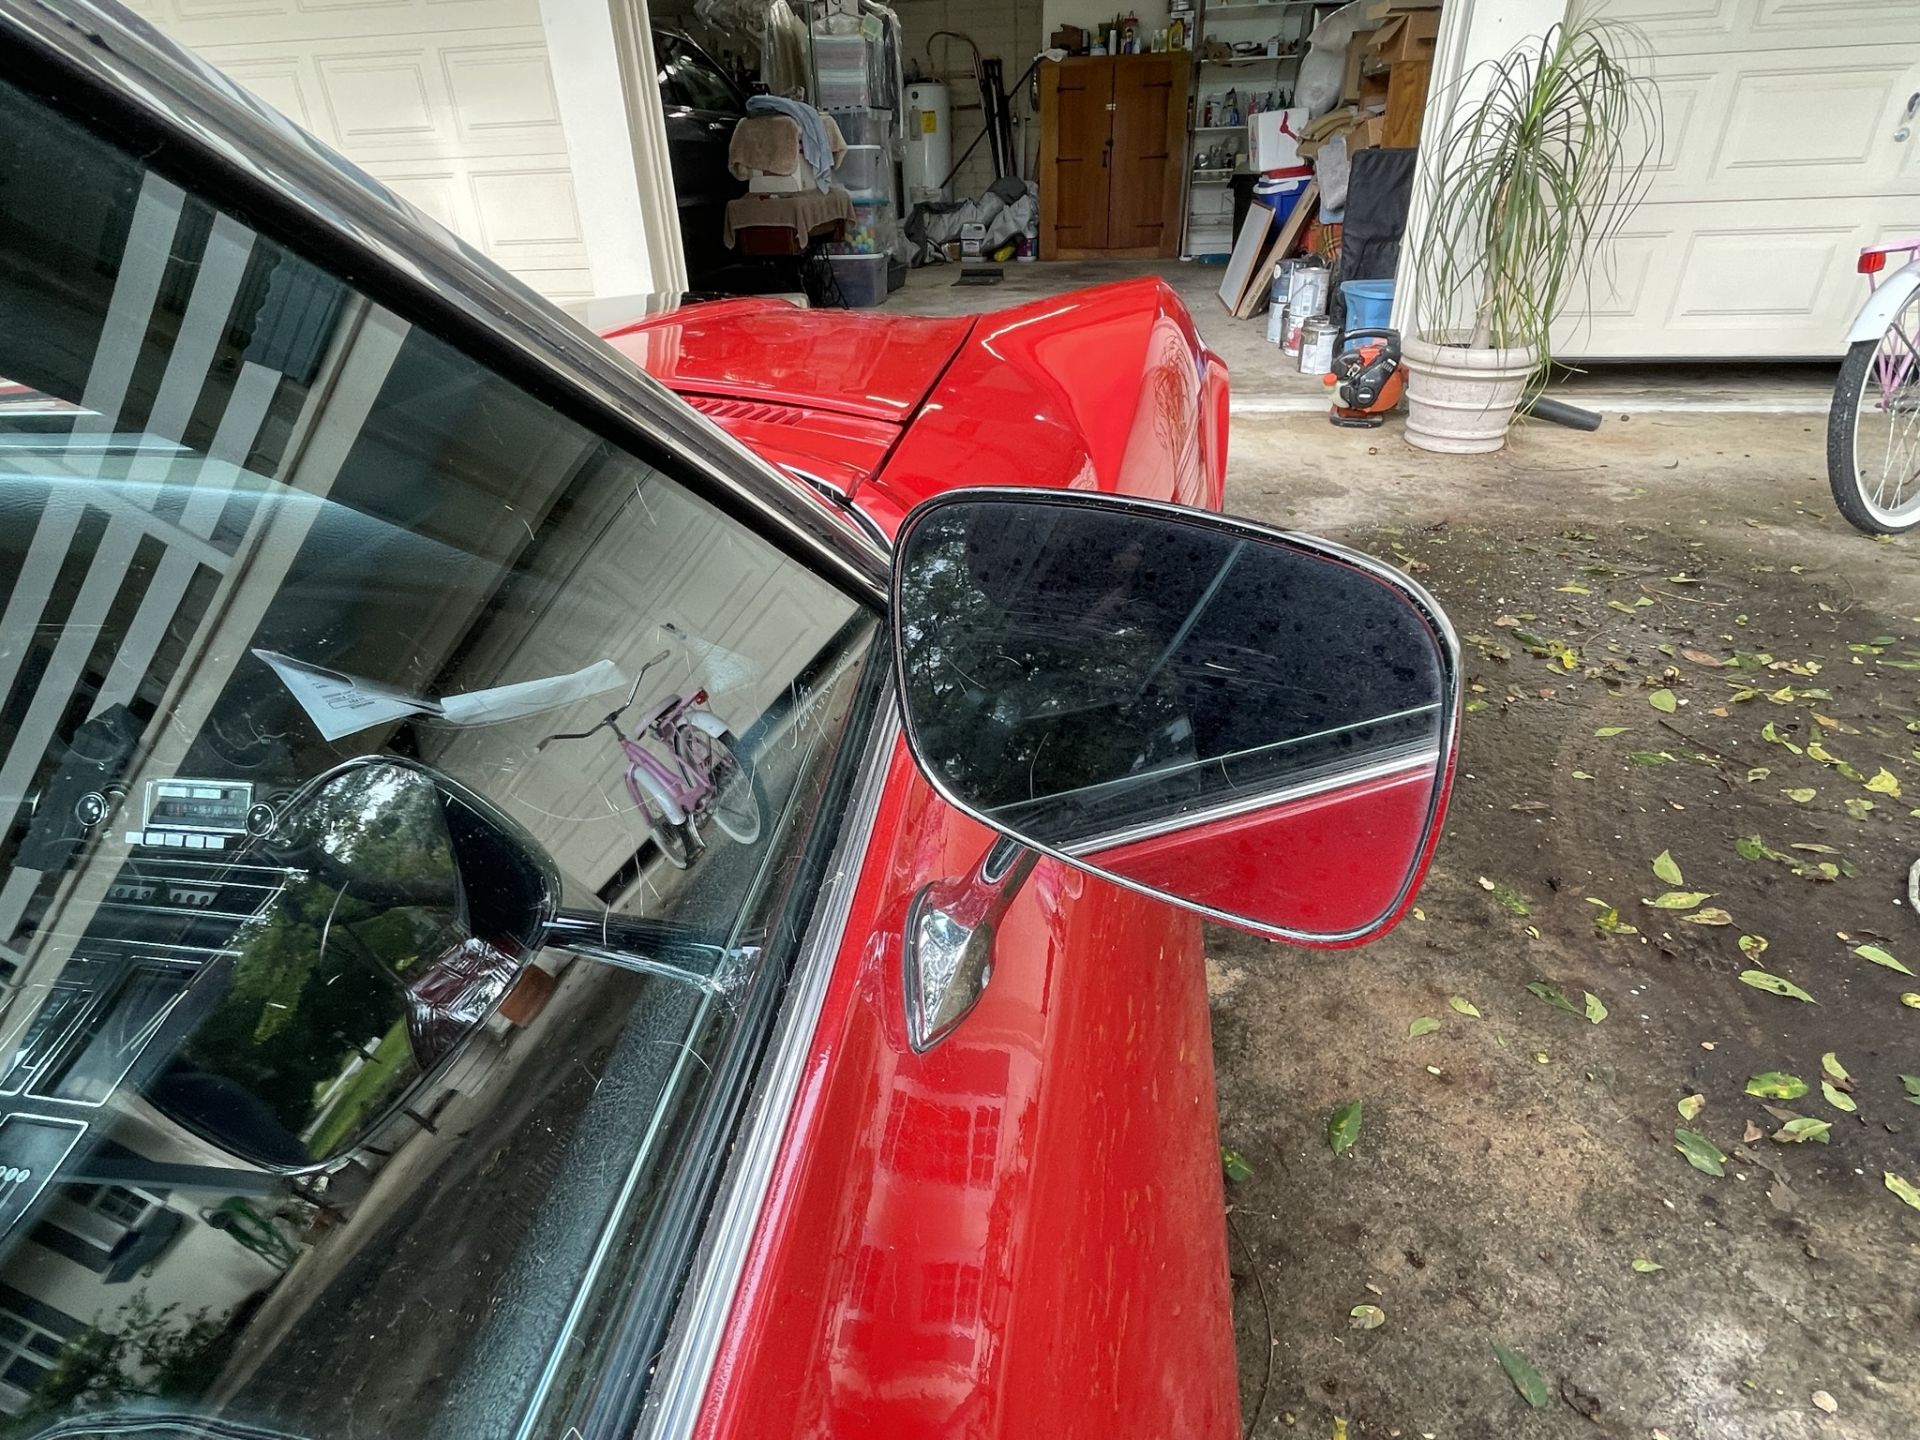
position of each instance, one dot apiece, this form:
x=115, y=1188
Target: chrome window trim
x=1426, y=758
x=685, y=1371
x=112, y=72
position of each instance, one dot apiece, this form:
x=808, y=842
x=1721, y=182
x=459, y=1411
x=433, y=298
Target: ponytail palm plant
x=1541, y=157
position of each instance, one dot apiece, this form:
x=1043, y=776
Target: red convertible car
x=646, y=885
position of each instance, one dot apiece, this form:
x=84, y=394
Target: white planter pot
x=1459, y=400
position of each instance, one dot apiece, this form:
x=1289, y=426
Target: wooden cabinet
x=1112, y=155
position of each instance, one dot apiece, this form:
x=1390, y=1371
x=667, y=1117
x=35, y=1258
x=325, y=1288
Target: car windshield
x=335, y=671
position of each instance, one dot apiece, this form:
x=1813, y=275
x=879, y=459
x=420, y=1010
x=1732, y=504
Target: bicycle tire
x=673, y=842
x=676, y=842
x=739, y=804
x=1844, y=477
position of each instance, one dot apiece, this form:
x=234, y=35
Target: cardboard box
x=1405, y=36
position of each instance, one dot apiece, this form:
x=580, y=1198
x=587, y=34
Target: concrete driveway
x=1516, y=1179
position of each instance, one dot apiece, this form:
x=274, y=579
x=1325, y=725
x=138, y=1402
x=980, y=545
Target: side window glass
x=336, y=672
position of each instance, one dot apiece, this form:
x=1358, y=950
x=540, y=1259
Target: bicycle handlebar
x=612, y=718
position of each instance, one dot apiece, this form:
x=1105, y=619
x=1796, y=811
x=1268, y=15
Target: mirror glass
x=400, y=916
x=1250, y=723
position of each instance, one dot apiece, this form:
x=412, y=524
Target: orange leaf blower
x=1366, y=379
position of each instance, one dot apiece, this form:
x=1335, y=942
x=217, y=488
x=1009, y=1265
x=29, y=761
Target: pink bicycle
x=704, y=776
x=1873, y=429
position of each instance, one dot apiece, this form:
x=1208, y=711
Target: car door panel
x=1016, y=1232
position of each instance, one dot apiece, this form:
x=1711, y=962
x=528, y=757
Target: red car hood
x=1104, y=389
x=861, y=363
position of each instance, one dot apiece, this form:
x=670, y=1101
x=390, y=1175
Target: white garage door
x=448, y=102
x=1779, y=162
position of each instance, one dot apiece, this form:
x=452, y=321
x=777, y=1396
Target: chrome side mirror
x=1256, y=725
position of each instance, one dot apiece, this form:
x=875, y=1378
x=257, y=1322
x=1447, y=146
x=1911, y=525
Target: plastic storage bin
x=872, y=231
x=862, y=278
x=1369, y=304
x=840, y=72
x=861, y=126
x=863, y=169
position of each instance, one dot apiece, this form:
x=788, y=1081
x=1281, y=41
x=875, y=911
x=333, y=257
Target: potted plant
x=1541, y=157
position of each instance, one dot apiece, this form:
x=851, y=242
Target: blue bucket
x=1369, y=304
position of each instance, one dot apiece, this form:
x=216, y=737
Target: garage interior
x=1001, y=150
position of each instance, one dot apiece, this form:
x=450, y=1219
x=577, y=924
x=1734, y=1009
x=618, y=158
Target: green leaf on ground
x=1425, y=1025
x=1701, y=1152
x=1690, y=1105
x=1663, y=701
x=1647, y=1267
x=1595, y=1010
x=1856, y=807
x=1527, y=1380
x=1911, y=1084
x=1753, y=946
x=1366, y=1317
x=1343, y=1127
x=1509, y=899
x=1678, y=899
x=1712, y=915
x=1666, y=869
x=1607, y=732
x=1910, y=999
x=1908, y=1193
x=1835, y=1071
x=1837, y=1098
x=1776, y=1085
x=1880, y=957
x=1608, y=922
x=1884, y=783
x=1460, y=1005
x=1234, y=1165
x=1800, y=795
x=1803, y=1128
x=1650, y=757
x=1774, y=985
x=1553, y=995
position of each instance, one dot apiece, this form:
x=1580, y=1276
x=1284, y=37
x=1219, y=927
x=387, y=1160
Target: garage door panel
x=1804, y=116
x=288, y=85
x=204, y=23
x=1759, y=278
x=449, y=102
x=1680, y=27
x=381, y=101
x=529, y=212
x=499, y=90
x=1777, y=162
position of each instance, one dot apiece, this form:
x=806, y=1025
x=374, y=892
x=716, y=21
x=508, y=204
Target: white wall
x=1471, y=31
x=1010, y=30
x=603, y=67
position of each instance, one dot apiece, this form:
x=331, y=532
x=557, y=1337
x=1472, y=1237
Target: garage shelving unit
x=1208, y=231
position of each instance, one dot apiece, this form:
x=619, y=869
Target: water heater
x=929, y=149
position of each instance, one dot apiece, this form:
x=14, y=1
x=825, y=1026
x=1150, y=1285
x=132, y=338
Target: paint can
x=1308, y=286
x=1316, y=345
x=1277, y=301
x=1290, y=337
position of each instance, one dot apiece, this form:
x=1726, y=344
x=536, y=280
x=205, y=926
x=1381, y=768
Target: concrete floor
x=1267, y=382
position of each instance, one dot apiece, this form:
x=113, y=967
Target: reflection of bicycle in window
x=703, y=775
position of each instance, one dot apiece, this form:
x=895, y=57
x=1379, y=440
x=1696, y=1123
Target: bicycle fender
x=1886, y=301
x=657, y=794
x=705, y=720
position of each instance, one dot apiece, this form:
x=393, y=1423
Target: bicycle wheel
x=676, y=842
x=1873, y=429
x=673, y=842
x=738, y=802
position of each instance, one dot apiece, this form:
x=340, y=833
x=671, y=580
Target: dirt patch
x=1505, y=1197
